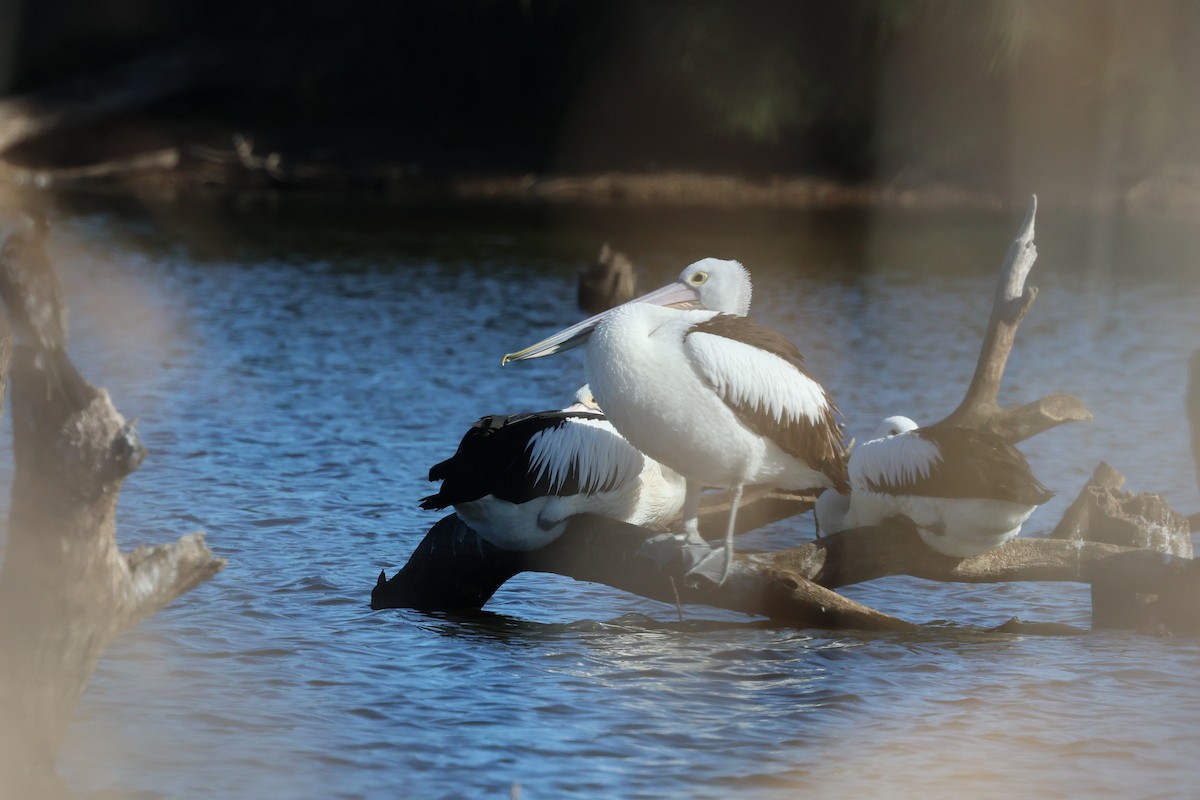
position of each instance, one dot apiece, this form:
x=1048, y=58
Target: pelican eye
x=698, y=277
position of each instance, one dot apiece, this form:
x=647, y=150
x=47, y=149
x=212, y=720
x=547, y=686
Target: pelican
x=967, y=491
x=517, y=480
x=720, y=399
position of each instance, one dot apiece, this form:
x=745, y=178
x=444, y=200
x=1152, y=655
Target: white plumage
x=966, y=491
x=718, y=398
x=584, y=448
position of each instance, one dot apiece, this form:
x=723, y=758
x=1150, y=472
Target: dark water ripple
x=295, y=382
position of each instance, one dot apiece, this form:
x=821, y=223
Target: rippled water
x=297, y=369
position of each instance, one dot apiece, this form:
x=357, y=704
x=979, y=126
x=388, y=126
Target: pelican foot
x=712, y=568
x=669, y=550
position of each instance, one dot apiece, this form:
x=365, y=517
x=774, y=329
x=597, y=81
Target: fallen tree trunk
x=66, y=590
x=454, y=568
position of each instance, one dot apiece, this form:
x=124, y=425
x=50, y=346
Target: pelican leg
x=737, y=501
x=714, y=566
x=668, y=550
x=691, y=510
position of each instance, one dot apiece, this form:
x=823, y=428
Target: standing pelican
x=967, y=491
x=516, y=480
x=715, y=396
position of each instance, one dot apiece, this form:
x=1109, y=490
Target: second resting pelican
x=967, y=491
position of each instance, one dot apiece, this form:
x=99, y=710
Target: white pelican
x=967, y=491
x=516, y=480
x=719, y=398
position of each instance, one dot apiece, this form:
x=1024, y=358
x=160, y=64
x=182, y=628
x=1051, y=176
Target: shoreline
x=174, y=174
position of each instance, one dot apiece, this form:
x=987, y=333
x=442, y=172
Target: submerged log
x=1103, y=513
x=1151, y=586
x=455, y=569
x=66, y=590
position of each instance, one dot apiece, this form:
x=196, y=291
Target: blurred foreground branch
x=66, y=590
x=1192, y=404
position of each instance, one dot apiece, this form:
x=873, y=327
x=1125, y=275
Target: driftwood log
x=66, y=590
x=453, y=568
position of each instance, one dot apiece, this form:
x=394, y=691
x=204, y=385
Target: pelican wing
x=520, y=457
x=582, y=456
x=946, y=461
x=760, y=375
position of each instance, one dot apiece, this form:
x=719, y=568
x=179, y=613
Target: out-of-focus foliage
x=891, y=88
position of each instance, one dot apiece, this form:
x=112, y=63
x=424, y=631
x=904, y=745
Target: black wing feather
x=494, y=458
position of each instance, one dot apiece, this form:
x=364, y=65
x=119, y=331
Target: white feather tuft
x=593, y=447
x=894, y=461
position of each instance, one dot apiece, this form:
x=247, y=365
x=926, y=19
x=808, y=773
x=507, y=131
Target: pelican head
x=895, y=425
x=712, y=283
x=584, y=401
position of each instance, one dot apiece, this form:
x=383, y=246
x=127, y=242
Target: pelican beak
x=673, y=295
x=573, y=336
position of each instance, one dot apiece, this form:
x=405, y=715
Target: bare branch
x=164, y=572
x=1018, y=423
x=1011, y=303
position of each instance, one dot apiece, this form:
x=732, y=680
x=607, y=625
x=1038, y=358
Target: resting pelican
x=516, y=480
x=967, y=491
x=716, y=397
